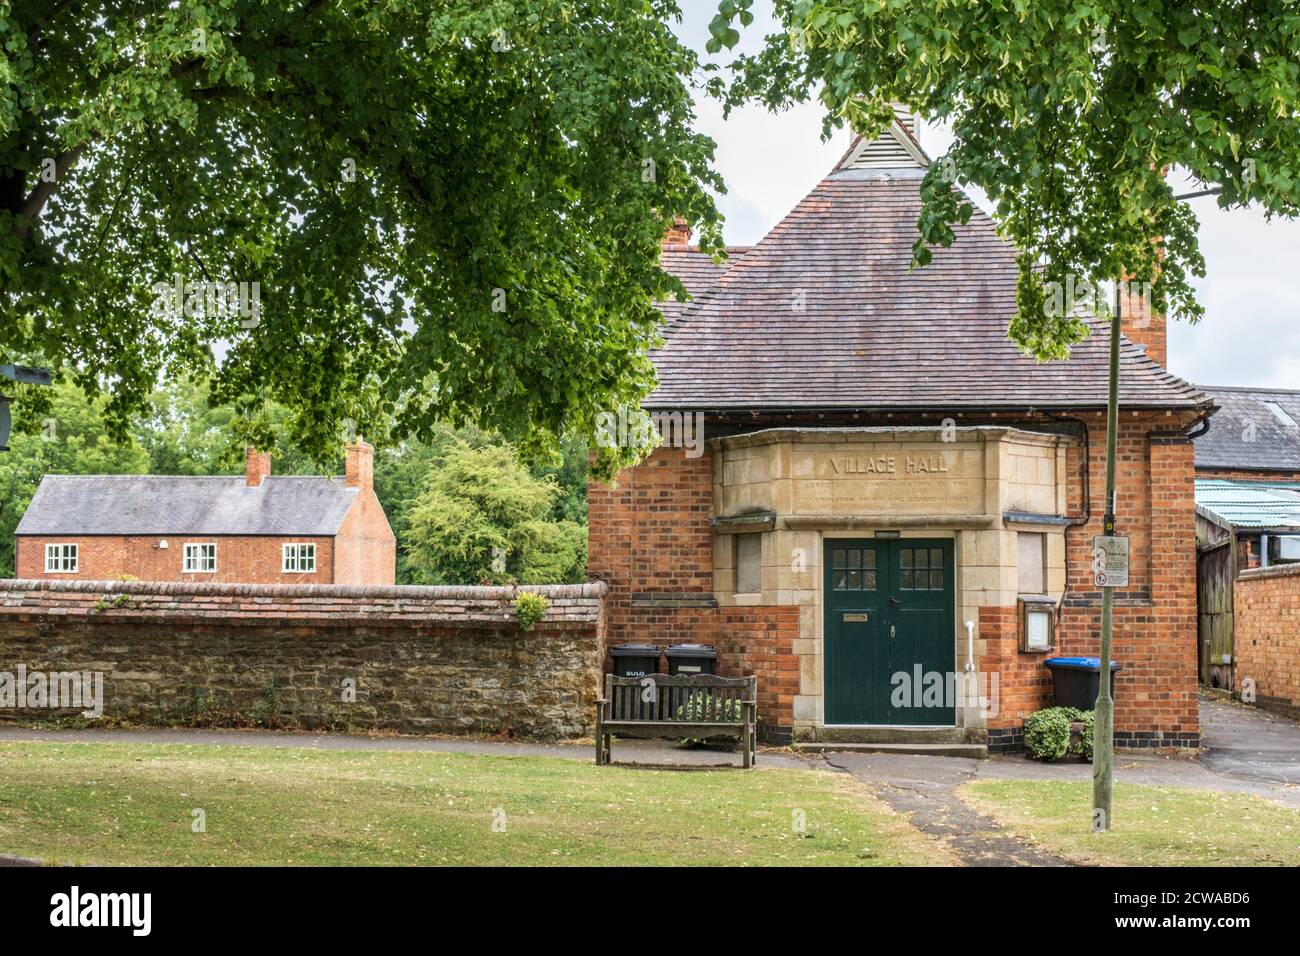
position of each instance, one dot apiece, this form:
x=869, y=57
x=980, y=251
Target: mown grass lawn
x=1153, y=826
x=133, y=804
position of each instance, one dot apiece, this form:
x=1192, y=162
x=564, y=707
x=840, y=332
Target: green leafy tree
x=570, y=473
x=401, y=476
x=1068, y=115
x=482, y=518
x=452, y=210
x=67, y=439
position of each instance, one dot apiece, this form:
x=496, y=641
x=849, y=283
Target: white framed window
x=61, y=559
x=299, y=558
x=200, y=558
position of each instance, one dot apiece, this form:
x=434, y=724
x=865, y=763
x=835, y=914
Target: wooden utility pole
x=1103, y=730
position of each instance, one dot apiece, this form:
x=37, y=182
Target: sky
x=1251, y=331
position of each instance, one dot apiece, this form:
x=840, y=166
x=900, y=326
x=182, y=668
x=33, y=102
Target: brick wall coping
x=1276, y=571
x=318, y=604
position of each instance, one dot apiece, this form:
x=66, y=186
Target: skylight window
x=1280, y=414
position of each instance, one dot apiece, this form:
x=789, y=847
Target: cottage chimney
x=1142, y=325
x=257, y=465
x=360, y=469
x=678, y=234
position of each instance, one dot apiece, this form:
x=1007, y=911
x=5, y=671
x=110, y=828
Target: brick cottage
x=254, y=529
x=890, y=493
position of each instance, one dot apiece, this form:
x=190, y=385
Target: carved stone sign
x=889, y=479
x=919, y=464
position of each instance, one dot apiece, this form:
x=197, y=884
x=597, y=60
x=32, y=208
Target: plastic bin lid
x=1080, y=663
x=692, y=650
x=634, y=650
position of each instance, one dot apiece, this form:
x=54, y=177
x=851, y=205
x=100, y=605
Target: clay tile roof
x=694, y=269
x=164, y=505
x=1247, y=432
x=825, y=312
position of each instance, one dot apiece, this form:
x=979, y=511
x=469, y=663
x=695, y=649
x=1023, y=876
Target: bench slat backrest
x=718, y=699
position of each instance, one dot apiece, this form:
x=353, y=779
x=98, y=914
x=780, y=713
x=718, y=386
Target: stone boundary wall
x=1266, y=640
x=422, y=659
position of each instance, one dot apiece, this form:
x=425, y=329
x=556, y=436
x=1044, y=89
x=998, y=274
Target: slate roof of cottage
x=166, y=505
x=1256, y=505
x=1246, y=434
x=825, y=312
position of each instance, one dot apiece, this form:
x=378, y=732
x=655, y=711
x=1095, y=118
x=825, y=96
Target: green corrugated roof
x=1250, y=504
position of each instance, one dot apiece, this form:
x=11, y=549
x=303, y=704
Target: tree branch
x=40, y=195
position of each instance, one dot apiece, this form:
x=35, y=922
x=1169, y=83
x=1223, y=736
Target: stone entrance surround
x=424, y=659
x=978, y=486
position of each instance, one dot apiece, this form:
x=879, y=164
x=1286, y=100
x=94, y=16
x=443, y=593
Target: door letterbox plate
x=857, y=618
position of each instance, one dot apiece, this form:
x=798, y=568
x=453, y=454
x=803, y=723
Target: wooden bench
x=695, y=706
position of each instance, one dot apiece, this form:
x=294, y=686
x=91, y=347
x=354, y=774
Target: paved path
x=924, y=788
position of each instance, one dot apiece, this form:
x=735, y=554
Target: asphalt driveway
x=1249, y=742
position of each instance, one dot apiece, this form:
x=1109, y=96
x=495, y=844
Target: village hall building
x=890, y=494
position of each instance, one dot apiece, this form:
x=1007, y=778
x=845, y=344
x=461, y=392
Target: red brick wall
x=650, y=535
x=1142, y=325
x=760, y=641
x=240, y=560
x=366, y=548
x=1267, y=636
x=1154, y=621
x=1248, y=552
x=1023, y=683
x=650, y=540
x=1242, y=475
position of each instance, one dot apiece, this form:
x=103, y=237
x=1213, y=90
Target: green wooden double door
x=889, y=611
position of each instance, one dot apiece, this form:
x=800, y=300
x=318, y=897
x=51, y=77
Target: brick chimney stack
x=1142, y=325
x=679, y=234
x=360, y=469
x=257, y=465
